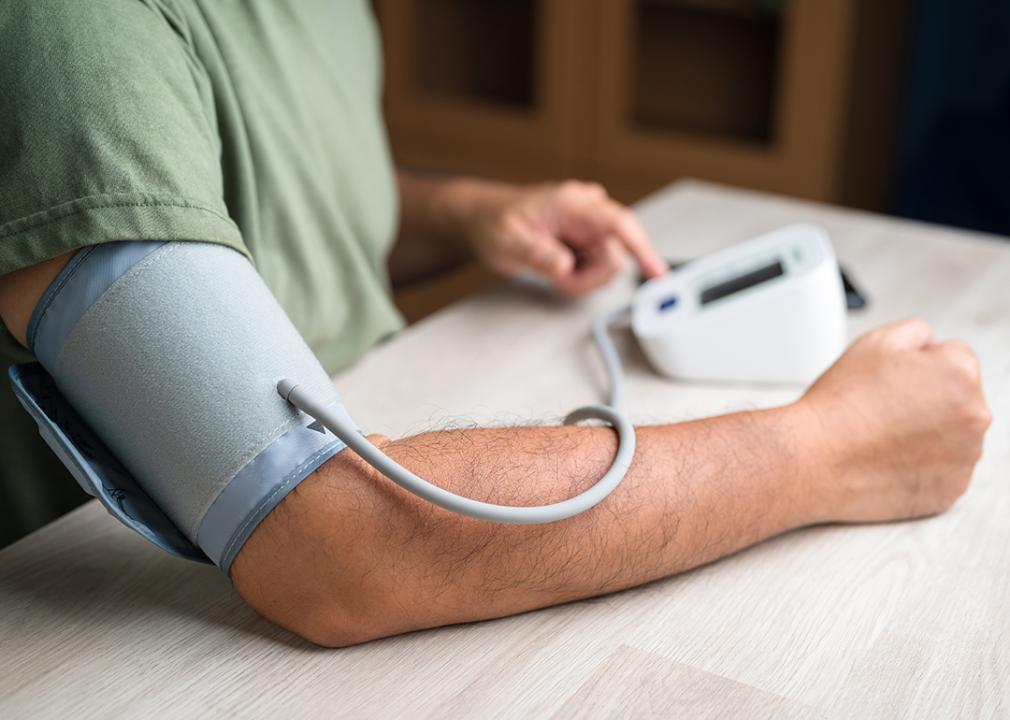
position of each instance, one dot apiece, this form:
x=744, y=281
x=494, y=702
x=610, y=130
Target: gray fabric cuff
x=170, y=352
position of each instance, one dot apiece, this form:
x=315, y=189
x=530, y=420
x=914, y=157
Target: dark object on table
x=854, y=299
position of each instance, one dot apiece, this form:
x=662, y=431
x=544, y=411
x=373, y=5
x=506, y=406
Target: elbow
x=322, y=604
x=317, y=565
x=335, y=627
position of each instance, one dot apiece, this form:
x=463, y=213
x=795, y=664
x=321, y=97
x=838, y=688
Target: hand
x=901, y=419
x=571, y=233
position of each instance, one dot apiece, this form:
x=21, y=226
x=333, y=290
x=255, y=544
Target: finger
x=543, y=253
x=595, y=220
x=629, y=230
x=592, y=189
x=598, y=267
x=912, y=333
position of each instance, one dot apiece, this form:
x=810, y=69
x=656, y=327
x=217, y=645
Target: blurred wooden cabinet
x=793, y=96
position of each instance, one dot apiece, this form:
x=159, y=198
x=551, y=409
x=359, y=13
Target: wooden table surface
x=905, y=620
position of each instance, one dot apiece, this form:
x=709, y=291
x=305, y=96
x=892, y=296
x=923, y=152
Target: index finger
x=612, y=218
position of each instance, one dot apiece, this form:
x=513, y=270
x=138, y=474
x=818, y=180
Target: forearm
x=384, y=562
x=434, y=217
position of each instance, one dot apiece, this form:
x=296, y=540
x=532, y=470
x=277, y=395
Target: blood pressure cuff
x=157, y=389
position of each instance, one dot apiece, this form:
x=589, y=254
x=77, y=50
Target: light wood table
x=898, y=620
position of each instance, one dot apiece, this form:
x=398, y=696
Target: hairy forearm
x=381, y=561
x=434, y=217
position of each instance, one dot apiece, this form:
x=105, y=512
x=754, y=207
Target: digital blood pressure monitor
x=768, y=310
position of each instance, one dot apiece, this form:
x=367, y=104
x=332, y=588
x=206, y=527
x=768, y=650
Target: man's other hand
x=902, y=419
x=571, y=233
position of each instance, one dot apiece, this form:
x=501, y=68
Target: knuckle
x=912, y=321
x=570, y=187
x=981, y=417
x=897, y=327
x=582, y=190
x=510, y=224
x=875, y=336
x=871, y=335
x=914, y=325
x=962, y=360
x=513, y=240
x=956, y=348
x=514, y=248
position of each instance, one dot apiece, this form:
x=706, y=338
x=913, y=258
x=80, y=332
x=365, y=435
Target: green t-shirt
x=253, y=124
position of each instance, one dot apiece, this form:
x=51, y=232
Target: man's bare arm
x=431, y=234
x=892, y=431
x=371, y=560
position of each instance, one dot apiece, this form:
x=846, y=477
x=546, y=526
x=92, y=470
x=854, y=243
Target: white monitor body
x=771, y=309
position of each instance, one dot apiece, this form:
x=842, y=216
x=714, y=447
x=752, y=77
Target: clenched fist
x=901, y=419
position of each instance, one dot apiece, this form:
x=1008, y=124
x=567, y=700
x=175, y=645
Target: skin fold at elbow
x=313, y=565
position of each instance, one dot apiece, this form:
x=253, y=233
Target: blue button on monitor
x=667, y=303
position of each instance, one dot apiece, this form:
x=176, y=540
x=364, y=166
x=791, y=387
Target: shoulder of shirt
x=88, y=30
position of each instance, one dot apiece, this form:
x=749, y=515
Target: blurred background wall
x=886, y=105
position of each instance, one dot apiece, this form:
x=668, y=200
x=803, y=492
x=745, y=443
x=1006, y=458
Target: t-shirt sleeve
x=107, y=131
